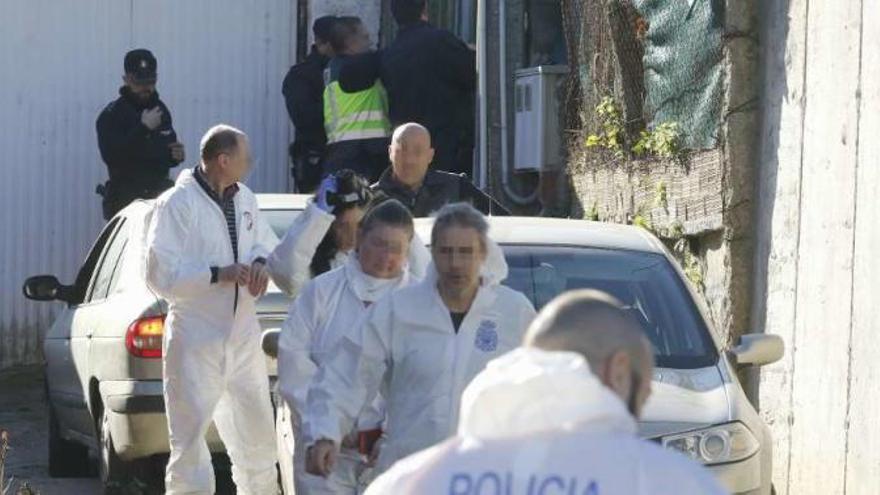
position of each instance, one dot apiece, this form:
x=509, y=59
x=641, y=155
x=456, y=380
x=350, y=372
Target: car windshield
x=280, y=220
x=645, y=283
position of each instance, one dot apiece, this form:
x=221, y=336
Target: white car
x=103, y=353
x=698, y=406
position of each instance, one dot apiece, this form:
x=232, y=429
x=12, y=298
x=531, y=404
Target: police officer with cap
x=136, y=138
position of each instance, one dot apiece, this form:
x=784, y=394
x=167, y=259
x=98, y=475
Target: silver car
x=698, y=406
x=104, y=375
x=103, y=352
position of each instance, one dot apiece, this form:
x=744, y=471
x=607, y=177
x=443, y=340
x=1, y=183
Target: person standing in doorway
x=357, y=122
x=431, y=79
x=303, y=90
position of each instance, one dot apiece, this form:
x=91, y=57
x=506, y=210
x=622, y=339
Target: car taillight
x=144, y=337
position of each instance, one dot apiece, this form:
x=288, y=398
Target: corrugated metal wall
x=61, y=62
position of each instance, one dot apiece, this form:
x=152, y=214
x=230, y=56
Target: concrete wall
x=818, y=238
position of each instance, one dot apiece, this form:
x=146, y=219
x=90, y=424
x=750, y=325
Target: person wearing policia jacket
x=357, y=125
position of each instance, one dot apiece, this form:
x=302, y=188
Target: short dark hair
x=407, y=11
x=461, y=215
x=218, y=140
x=343, y=29
x=352, y=191
x=322, y=28
x=390, y=212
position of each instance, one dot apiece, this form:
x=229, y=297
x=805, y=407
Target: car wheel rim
x=105, y=447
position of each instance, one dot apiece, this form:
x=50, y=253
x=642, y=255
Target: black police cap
x=141, y=65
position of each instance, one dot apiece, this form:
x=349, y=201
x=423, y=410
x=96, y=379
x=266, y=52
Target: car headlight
x=730, y=442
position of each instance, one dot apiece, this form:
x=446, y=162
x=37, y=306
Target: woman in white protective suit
x=327, y=309
x=322, y=238
x=421, y=345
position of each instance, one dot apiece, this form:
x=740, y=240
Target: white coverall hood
x=529, y=390
x=536, y=422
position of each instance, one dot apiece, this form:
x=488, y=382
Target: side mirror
x=42, y=288
x=270, y=342
x=758, y=349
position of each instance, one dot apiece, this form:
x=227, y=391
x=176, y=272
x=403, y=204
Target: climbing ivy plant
x=612, y=133
x=663, y=141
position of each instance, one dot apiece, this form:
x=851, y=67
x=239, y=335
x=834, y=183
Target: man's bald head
x=410, y=130
x=597, y=326
x=411, y=154
x=225, y=154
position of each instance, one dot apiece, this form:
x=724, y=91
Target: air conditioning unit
x=538, y=143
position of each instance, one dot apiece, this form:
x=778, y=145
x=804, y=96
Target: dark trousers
x=367, y=157
x=307, y=170
x=117, y=196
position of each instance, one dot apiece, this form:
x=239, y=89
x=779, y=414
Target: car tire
x=67, y=459
x=115, y=473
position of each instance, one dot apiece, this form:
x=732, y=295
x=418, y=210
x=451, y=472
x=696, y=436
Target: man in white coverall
x=557, y=416
x=422, y=345
x=206, y=255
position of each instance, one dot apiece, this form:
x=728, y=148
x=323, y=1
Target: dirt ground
x=23, y=415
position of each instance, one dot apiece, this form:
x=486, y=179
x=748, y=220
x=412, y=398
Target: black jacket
x=137, y=158
x=431, y=78
x=438, y=189
x=303, y=90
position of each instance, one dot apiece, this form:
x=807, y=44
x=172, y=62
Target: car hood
x=274, y=302
x=683, y=400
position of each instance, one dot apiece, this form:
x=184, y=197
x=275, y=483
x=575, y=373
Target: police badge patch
x=487, y=336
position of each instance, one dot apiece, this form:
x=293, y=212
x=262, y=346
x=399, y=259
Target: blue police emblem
x=487, y=336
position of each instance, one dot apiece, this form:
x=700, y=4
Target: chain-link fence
x=659, y=62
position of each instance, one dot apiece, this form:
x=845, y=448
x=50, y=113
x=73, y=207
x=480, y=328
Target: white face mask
x=369, y=289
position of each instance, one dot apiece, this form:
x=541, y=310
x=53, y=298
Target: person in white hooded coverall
x=206, y=255
x=328, y=308
x=422, y=345
x=321, y=239
x=557, y=416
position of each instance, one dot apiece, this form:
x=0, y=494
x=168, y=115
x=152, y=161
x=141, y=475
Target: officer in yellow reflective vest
x=358, y=129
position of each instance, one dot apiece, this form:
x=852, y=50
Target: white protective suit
x=214, y=368
x=541, y=422
x=328, y=309
x=290, y=265
x=409, y=347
